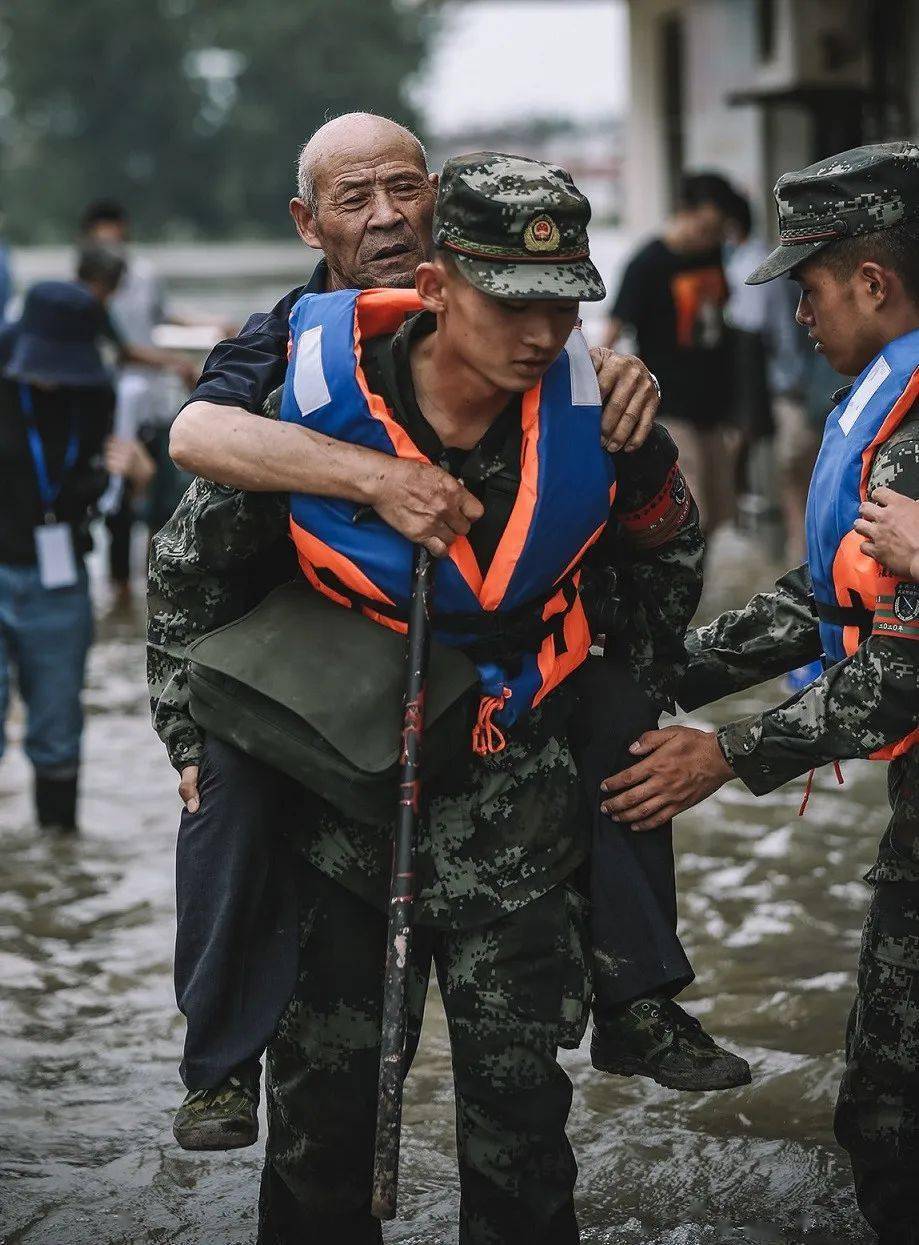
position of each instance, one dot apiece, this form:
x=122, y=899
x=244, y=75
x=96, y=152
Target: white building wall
x=751, y=143
x=645, y=196
x=718, y=60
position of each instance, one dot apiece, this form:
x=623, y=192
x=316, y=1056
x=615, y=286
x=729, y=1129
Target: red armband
x=662, y=517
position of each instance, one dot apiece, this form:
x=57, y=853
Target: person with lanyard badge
x=56, y=408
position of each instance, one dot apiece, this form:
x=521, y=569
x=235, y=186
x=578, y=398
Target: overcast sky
x=497, y=59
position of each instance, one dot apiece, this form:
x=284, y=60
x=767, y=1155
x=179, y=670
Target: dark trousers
x=119, y=526
x=236, y=905
x=632, y=882
x=513, y=991
x=877, y=1115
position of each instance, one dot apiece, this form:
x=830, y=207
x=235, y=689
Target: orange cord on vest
x=487, y=737
x=837, y=769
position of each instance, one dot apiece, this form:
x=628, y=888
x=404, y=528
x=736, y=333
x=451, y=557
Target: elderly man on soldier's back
x=222, y=550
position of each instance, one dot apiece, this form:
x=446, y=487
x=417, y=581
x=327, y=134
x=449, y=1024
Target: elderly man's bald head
x=366, y=200
x=361, y=133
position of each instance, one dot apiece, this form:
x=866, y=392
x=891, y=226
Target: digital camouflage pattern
x=877, y=1113
x=860, y=704
x=854, y=708
x=517, y=228
x=510, y=830
x=215, y=558
x=856, y=192
x=205, y=567
x=513, y=991
x=506, y=832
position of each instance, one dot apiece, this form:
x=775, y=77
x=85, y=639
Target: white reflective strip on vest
x=863, y=395
x=310, y=388
x=584, y=388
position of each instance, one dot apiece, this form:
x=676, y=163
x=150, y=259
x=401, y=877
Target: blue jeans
x=45, y=635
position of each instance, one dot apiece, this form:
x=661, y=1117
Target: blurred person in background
x=773, y=365
x=6, y=281
x=56, y=410
x=147, y=391
x=746, y=318
x=672, y=294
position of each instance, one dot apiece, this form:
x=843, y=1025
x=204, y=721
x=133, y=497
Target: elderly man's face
x=374, y=211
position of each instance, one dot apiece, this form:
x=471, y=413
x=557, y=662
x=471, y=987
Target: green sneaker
x=223, y=1118
x=654, y=1037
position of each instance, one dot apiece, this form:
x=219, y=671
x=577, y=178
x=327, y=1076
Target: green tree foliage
x=190, y=111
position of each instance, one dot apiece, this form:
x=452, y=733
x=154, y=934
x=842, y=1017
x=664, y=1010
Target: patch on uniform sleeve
x=662, y=517
x=898, y=614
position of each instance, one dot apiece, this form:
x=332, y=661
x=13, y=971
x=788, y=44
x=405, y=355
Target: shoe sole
x=697, y=1084
x=216, y=1138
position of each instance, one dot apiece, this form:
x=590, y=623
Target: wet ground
x=89, y=1037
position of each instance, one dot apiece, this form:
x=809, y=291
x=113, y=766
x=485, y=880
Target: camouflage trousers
x=513, y=992
x=877, y=1115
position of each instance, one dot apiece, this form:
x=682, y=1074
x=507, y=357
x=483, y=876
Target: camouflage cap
x=517, y=228
x=856, y=192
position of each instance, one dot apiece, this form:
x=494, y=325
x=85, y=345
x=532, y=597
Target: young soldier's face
x=509, y=343
x=838, y=316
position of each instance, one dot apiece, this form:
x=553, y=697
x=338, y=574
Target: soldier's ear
x=305, y=220
x=876, y=282
x=430, y=286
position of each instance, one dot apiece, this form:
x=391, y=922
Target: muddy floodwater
x=89, y=1036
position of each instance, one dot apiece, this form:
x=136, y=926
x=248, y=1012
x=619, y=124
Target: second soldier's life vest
x=531, y=589
x=848, y=585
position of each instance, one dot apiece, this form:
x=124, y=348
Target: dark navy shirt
x=245, y=369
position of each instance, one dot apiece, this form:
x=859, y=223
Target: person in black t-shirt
x=56, y=408
x=672, y=295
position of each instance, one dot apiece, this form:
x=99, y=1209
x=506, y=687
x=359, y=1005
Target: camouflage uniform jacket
x=856, y=707
x=512, y=830
x=224, y=549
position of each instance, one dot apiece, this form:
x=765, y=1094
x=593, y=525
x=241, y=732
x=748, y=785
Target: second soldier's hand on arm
x=630, y=399
x=675, y=769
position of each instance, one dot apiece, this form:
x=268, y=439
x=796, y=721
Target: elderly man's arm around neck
x=261, y=455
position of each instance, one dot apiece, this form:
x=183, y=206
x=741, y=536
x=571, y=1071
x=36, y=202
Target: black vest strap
x=854, y=615
x=494, y=635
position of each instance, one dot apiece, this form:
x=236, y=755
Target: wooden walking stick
x=401, y=897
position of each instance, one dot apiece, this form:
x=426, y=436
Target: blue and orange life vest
x=847, y=583
x=562, y=505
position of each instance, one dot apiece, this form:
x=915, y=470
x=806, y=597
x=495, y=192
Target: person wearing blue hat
x=56, y=409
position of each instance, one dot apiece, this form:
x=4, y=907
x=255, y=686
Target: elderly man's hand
x=682, y=766
x=890, y=524
x=630, y=399
x=425, y=504
x=188, y=788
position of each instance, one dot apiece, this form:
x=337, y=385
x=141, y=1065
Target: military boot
x=654, y=1037
x=222, y=1118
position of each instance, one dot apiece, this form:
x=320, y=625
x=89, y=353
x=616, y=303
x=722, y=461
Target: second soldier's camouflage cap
x=516, y=228
x=857, y=192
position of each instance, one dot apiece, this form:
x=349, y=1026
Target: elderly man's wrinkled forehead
x=354, y=148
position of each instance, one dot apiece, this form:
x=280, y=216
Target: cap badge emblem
x=542, y=236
